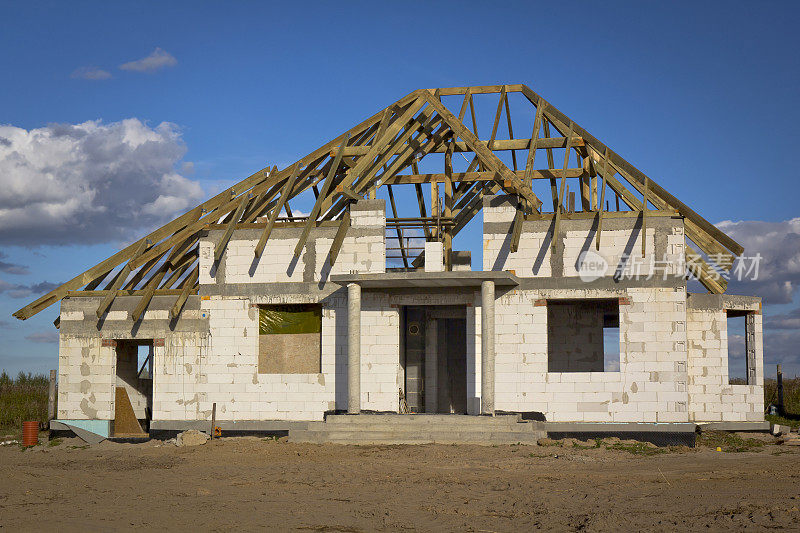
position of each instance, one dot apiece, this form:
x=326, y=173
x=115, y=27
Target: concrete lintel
x=723, y=301
x=427, y=279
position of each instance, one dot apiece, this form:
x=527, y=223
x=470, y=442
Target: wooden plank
x=600, y=208
x=285, y=191
x=376, y=148
x=704, y=273
x=188, y=285
x=118, y=280
x=510, y=131
x=644, y=215
x=537, y=126
x=219, y=250
x=423, y=212
x=399, y=230
x=487, y=157
x=338, y=239
x=448, y=206
x=497, y=145
x=629, y=171
x=561, y=194
x=315, y=211
x=516, y=231
x=147, y=295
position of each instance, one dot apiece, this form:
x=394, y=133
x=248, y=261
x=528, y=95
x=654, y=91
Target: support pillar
x=353, y=348
x=431, y=366
x=487, y=348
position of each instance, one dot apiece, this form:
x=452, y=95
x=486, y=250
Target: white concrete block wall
x=223, y=367
x=86, y=378
x=711, y=397
x=650, y=386
x=359, y=253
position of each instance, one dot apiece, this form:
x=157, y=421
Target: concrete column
x=431, y=366
x=354, y=348
x=487, y=347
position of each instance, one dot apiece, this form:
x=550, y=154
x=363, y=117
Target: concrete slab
x=734, y=426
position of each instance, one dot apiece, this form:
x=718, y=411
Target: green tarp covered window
x=280, y=319
x=290, y=339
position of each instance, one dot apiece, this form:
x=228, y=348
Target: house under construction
x=579, y=314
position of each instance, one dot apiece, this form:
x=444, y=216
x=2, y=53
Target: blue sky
x=701, y=97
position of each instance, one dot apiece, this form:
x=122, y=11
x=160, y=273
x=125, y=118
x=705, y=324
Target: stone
x=191, y=437
x=776, y=429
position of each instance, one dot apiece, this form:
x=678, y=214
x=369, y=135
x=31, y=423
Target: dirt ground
x=255, y=484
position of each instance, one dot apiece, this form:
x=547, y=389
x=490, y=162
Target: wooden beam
x=561, y=194
x=188, y=285
x=487, y=157
x=528, y=179
x=516, y=231
x=315, y=211
x=423, y=212
x=338, y=239
x=399, y=230
x=285, y=191
x=219, y=250
x=147, y=295
x=497, y=145
x=600, y=210
x=629, y=171
x=119, y=279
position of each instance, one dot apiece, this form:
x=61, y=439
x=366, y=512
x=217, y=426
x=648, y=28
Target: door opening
x=434, y=359
x=133, y=398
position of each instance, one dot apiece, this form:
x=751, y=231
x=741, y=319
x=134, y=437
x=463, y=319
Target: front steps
x=419, y=429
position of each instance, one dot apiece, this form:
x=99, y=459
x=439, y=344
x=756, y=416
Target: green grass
x=21, y=399
x=638, y=448
x=791, y=401
x=729, y=442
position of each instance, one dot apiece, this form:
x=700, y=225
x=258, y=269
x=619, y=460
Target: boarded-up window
x=289, y=339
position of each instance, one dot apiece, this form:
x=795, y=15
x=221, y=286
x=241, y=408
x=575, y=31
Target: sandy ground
x=255, y=484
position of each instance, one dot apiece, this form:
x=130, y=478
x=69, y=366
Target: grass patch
x=794, y=423
x=637, y=448
x=21, y=399
x=729, y=442
x=54, y=442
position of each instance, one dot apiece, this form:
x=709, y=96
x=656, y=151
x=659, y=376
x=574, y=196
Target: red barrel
x=30, y=433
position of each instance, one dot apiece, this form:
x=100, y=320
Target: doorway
x=434, y=359
x=133, y=398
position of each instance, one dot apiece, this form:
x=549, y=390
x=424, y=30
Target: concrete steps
x=419, y=429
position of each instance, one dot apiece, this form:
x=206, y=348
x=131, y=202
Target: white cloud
x=12, y=268
x=24, y=291
x=45, y=337
x=158, y=59
x=90, y=73
x=90, y=182
x=778, y=243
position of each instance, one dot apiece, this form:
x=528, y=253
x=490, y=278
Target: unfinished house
x=576, y=317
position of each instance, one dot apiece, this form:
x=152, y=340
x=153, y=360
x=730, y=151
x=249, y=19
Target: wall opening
x=133, y=398
x=290, y=339
x=434, y=359
x=741, y=356
x=583, y=335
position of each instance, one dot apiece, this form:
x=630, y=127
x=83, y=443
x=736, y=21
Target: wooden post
x=780, y=391
x=213, y=418
x=51, y=402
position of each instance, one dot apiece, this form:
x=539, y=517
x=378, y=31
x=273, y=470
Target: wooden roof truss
x=385, y=150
